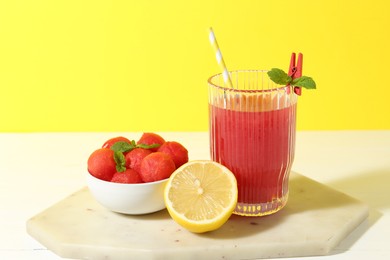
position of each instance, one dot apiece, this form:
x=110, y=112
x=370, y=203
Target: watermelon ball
x=128, y=176
x=112, y=141
x=156, y=166
x=151, y=138
x=101, y=164
x=178, y=152
x=134, y=158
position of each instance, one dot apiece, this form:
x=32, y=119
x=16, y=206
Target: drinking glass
x=252, y=132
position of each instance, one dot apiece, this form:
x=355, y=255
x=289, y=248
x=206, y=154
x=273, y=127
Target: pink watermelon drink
x=252, y=132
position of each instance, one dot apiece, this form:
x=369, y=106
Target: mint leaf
x=305, y=82
x=282, y=78
x=122, y=146
x=148, y=146
x=120, y=161
x=279, y=76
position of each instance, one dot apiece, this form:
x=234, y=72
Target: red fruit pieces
x=151, y=138
x=135, y=157
x=128, y=176
x=101, y=164
x=177, y=151
x=150, y=159
x=156, y=166
x=112, y=141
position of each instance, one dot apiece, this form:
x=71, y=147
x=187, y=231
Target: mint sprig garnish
x=122, y=147
x=147, y=146
x=279, y=76
x=282, y=78
x=120, y=161
x=304, y=82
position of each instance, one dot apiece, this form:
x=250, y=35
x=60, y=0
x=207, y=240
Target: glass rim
x=277, y=88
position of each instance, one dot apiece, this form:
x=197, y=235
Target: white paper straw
x=221, y=62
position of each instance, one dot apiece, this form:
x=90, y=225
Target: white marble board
x=315, y=220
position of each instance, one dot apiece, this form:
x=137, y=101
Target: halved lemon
x=201, y=195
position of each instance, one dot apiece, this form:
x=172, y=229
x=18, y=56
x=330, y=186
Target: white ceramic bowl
x=134, y=199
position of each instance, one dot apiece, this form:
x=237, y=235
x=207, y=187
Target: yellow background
x=91, y=65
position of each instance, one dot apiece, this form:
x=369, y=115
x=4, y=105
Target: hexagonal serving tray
x=315, y=220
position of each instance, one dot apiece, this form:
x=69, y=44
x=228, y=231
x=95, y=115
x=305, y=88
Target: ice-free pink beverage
x=252, y=132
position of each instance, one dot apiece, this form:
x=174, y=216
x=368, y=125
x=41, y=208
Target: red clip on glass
x=295, y=70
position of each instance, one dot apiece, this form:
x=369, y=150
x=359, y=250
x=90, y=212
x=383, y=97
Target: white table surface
x=39, y=169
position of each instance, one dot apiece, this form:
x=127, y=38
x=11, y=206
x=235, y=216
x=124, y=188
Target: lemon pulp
x=201, y=195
